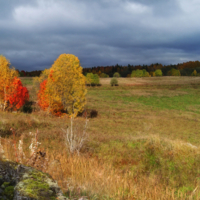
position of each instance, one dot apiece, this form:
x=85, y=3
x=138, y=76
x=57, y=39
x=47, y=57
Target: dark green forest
x=185, y=69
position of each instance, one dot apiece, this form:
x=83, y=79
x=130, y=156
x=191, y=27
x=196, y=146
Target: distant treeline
x=185, y=69
x=29, y=74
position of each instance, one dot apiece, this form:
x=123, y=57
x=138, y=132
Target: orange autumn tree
x=43, y=100
x=12, y=93
x=64, y=87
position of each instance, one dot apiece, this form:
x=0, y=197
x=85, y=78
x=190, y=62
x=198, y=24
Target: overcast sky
x=33, y=33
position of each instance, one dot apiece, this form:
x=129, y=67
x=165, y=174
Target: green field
x=144, y=143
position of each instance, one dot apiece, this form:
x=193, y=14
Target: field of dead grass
x=144, y=143
x=167, y=80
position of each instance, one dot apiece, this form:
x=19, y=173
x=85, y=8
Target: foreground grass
x=144, y=144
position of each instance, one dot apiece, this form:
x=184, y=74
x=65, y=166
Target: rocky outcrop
x=19, y=182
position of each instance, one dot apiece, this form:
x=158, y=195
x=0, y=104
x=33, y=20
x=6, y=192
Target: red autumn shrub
x=17, y=94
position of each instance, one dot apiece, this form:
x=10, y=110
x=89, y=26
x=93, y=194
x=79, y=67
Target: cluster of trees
x=144, y=73
x=140, y=73
x=13, y=95
x=61, y=89
x=185, y=69
x=35, y=73
x=174, y=72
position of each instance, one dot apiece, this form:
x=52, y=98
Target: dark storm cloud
x=106, y=32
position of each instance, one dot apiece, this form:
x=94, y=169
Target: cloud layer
x=105, y=32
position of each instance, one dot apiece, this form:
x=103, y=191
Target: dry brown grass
x=108, y=166
x=165, y=80
x=85, y=173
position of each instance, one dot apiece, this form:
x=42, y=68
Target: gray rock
x=1, y=190
x=29, y=183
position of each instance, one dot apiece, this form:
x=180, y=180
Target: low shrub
x=194, y=73
x=93, y=113
x=103, y=75
x=158, y=72
x=92, y=79
x=145, y=73
x=137, y=73
x=89, y=78
x=174, y=72
x=89, y=113
x=152, y=74
x=95, y=79
x=116, y=74
x=27, y=107
x=114, y=82
x=140, y=73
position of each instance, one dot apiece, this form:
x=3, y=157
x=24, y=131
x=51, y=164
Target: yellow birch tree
x=66, y=85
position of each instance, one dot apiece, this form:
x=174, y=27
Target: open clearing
x=144, y=143
x=167, y=80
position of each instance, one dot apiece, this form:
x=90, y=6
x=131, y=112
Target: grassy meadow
x=144, y=143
